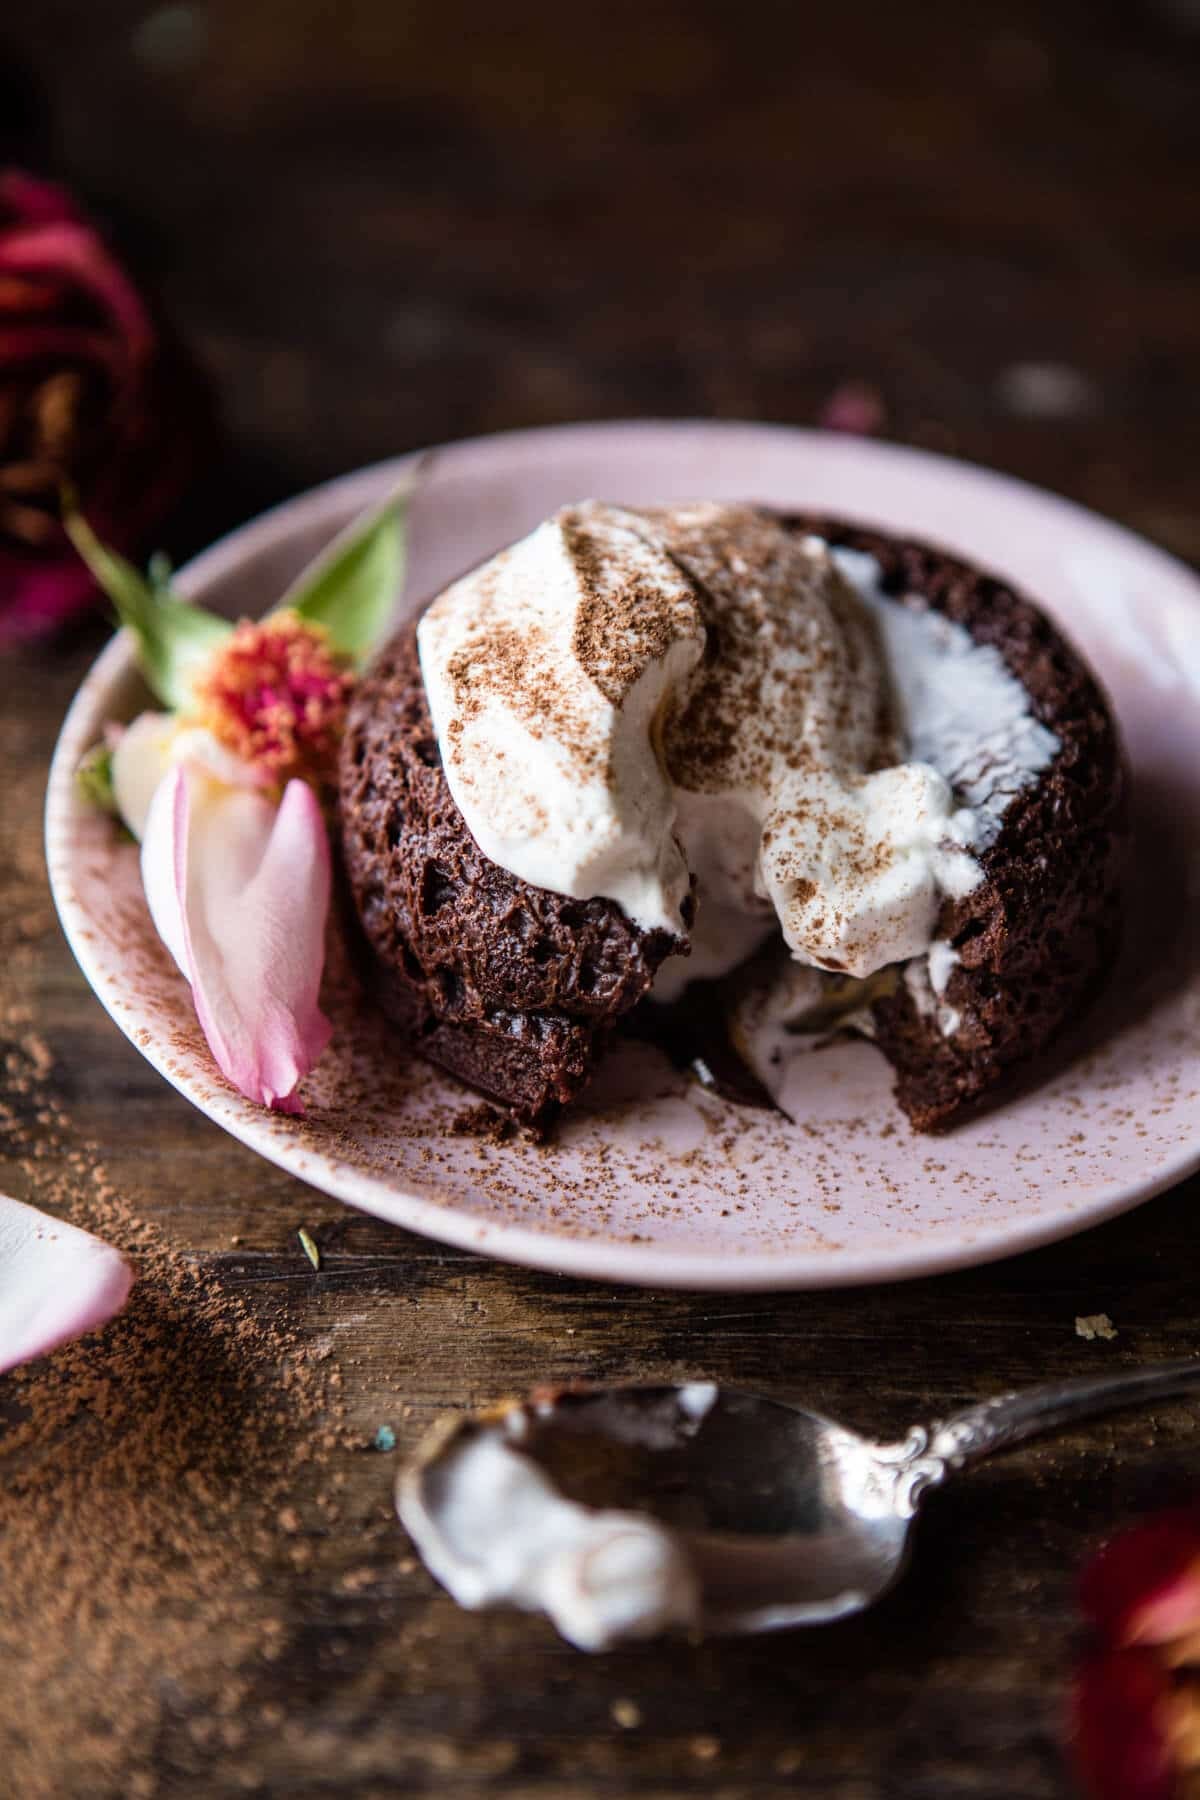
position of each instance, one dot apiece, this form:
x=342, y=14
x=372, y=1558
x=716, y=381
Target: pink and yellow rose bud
x=235, y=854
x=275, y=694
x=224, y=788
x=1136, y=1708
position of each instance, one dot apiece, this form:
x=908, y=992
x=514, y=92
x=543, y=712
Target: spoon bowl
x=625, y=1511
x=787, y=1517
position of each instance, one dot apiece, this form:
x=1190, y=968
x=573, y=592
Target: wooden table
x=384, y=226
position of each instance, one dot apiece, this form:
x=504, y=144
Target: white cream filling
x=943, y=960
x=926, y=997
x=962, y=709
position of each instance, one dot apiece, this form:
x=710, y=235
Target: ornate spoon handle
x=965, y=1437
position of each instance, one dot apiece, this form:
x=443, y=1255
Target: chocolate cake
x=516, y=989
x=512, y=988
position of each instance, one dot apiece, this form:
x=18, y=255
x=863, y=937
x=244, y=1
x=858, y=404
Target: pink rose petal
x=196, y=744
x=140, y=759
x=56, y=1282
x=146, y=749
x=239, y=892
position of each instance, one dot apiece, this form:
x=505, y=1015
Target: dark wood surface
x=386, y=225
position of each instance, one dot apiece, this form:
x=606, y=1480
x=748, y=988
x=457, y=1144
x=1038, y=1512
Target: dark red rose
x=93, y=393
x=1121, y=1729
x=1143, y=1587
x=1136, y=1704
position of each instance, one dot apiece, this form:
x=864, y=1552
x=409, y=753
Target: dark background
x=386, y=224
x=383, y=225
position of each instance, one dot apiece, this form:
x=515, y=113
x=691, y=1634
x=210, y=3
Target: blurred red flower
x=93, y=392
x=856, y=407
x=1136, y=1706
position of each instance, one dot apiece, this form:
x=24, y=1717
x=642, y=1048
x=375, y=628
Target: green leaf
x=309, y=1246
x=94, y=776
x=159, y=573
x=353, y=585
x=174, y=638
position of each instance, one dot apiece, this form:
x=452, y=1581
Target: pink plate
x=653, y=1180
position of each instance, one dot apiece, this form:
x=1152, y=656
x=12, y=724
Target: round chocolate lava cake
x=516, y=990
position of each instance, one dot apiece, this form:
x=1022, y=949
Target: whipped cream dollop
x=501, y=1532
x=548, y=672
x=626, y=700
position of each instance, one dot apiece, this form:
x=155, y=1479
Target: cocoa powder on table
x=149, y=1486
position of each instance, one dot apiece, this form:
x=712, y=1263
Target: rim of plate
x=323, y=507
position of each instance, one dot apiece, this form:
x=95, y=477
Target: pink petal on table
x=239, y=892
x=56, y=1282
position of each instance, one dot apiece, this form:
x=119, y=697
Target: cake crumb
x=1095, y=1325
x=482, y=1121
x=354, y=1581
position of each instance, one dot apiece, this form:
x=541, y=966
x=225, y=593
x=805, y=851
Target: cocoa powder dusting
x=633, y=602
x=147, y=1480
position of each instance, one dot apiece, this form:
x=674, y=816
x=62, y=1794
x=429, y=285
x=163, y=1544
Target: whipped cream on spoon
x=626, y=1512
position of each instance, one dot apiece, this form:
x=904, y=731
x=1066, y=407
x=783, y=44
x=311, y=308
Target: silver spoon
x=625, y=1511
